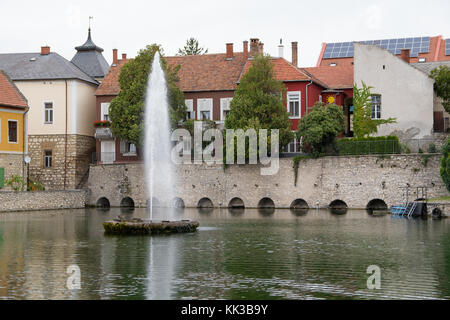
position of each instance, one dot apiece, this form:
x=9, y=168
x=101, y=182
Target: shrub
x=445, y=164
x=369, y=145
x=15, y=182
x=432, y=148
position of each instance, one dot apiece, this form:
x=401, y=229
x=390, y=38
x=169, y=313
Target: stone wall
x=354, y=180
x=42, y=200
x=12, y=163
x=68, y=170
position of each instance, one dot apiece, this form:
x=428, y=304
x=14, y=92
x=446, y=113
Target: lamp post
x=27, y=160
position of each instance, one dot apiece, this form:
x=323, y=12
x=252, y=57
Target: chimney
x=124, y=56
x=254, y=47
x=45, y=50
x=281, y=49
x=115, y=60
x=294, y=53
x=261, y=48
x=229, y=55
x=245, y=50
x=405, y=55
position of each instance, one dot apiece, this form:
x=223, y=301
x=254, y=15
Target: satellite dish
x=27, y=159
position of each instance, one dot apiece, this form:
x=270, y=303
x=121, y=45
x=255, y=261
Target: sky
x=130, y=25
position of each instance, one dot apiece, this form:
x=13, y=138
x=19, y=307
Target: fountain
x=159, y=168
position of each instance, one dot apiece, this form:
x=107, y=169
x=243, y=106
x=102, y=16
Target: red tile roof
x=110, y=85
x=10, y=96
x=284, y=70
x=339, y=77
x=208, y=72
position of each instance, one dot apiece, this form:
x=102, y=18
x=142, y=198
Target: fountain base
x=141, y=227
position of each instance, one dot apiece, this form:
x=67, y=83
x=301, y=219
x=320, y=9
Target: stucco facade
x=407, y=93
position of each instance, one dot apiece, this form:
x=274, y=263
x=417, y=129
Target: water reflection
x=236, y=254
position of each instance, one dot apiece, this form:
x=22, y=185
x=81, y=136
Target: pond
x=235, y=254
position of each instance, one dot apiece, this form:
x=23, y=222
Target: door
x=108, y=151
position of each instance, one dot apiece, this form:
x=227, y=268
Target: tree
x=257, y=102
x=441, y=77
x=127, y=109
x=320, y=127
x=191, y=48
x=445, y=164
x=363, y=124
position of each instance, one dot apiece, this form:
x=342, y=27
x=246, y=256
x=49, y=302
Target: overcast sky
x=130, y=25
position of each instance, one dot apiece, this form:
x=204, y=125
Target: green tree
x=445, y=164
x=192, y=47
x=441, y=77
x=257, y=102
x=363, y=124
x=127, y=109
x=320, y=127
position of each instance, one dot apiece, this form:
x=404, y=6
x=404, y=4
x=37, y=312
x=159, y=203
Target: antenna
x=90, y=18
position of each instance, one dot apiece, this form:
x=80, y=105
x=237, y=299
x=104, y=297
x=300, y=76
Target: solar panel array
x=416, y=46
x=447, y=47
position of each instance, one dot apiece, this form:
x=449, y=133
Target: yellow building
x=13, y=129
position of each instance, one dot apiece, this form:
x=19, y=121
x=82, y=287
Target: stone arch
x=299, y=204
x=205, y=203
x=154, y=203
x=376, y=204
x=236, y=203
x=127, y=202
x=265, y=203
x=338, y=204
x=103, y=202
x=178, y=202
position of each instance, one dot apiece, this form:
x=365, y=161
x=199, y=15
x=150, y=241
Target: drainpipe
x=307, y=107
x=65, y=144
x=23, y=146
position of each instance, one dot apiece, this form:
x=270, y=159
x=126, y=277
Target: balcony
x=103, y=133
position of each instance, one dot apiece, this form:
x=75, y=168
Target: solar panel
x=416, y=45
x=447, y=47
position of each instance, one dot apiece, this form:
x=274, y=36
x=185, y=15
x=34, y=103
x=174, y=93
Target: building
x=422, y=49
x=61, y=97
x=13, y=129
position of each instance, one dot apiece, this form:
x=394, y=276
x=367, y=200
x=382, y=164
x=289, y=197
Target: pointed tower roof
x=89, y=58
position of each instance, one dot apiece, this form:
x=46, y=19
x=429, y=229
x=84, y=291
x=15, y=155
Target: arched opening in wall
x=236, y=203
x=127, y=202
x=205, y=203
x=376, y=205
x=265, y=203
x=338, y=207
x=236, y=212
x=299, y=207
x=103, y=203
x=153, y=203
x=178, y=202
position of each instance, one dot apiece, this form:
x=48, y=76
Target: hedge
x=370, y=145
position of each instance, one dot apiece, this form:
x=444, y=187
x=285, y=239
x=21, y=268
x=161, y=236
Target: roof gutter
x=307, y=107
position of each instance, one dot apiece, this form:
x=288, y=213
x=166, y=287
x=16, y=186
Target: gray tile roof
x=34, y=66
x=427, y=67
x=89, y=58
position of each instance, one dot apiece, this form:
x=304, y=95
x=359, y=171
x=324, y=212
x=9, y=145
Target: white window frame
x=190, y=108
x=51, y=159
x=377, y=107
x=17, y=131
x=202, y=106
x=291, y=93
x=224, y=106
x=296, y=141
x=45, y=110
x=104, y=106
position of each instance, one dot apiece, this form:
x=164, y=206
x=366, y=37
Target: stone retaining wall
x=42, y=200
x=12, y=163
x=354, y=180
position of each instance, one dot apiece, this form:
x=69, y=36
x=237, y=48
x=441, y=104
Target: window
x=105, y=111
x=376, y=107
x=48, y=112
x=205, y=115
x=421, y=60
x=205, y=108
x=224, y=108
x=127, y=148
x=12, y=131
x=295, y=146
x=294, y=104
x=333, y=64
x=190, y=113
x=48, y=158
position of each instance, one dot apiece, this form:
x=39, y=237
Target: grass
x=447, y=198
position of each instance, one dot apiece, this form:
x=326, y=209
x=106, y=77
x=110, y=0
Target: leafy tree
x=191, y=48
x=257, y=103
x=320, y=127
x=441, y=76
x=363, y=124
x=127, y=109
x=445, y=164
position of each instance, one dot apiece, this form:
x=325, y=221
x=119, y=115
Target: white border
x=17, y=129
x=299, y=104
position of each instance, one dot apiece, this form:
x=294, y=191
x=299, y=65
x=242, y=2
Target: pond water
x=236, y=254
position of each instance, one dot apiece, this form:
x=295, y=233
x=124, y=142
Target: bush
x=432, y=148
x=15, y=182
x=369, y=145
x=445, y=164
